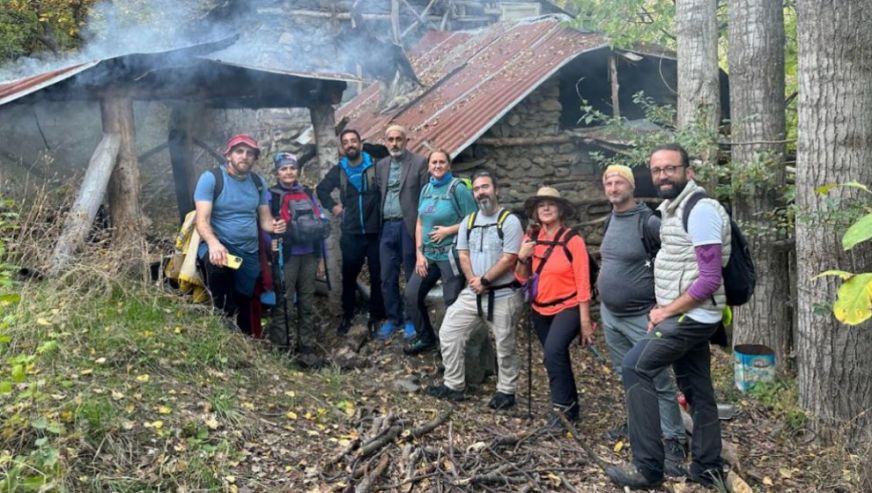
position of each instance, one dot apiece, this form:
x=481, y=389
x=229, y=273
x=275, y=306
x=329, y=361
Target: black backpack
x=739, y=275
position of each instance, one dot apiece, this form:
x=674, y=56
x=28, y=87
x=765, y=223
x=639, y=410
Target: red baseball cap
x=243, y=139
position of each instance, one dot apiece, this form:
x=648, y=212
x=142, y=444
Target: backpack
x=501, y=218
x=651, y=244
x=455, y=181
x=219, y=183
x=301, y=212
x=739, y=274
x=562, y=239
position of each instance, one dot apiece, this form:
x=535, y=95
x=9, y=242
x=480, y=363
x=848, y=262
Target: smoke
x=270, y=36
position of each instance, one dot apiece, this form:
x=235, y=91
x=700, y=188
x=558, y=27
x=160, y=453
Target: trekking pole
x=280, y=284
x=326, y=268
x=530, y=364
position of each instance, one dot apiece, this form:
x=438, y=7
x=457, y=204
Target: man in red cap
x=232, y=203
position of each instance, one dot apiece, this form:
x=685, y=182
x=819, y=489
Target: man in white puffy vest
x=690, y=302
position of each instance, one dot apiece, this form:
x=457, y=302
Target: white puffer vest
x=675, y=267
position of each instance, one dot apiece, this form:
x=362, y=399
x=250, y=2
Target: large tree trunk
x=756, y=58
x=124, y=187
x=698, y=74
x=835, y=145
x=324, y=122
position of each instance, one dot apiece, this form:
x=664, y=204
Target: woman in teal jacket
x=443, y=204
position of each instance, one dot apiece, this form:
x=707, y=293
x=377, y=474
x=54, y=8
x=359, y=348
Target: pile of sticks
x=391, y=453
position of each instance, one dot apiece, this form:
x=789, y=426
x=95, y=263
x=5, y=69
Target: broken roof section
x=472, y=79
x=189, y=74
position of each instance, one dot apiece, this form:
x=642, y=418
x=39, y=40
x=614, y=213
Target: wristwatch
x=485, y=281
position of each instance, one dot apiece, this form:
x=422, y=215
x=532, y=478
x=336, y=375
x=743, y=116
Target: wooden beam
x=81, y=215
x=125, y=188
x=182, y=157
x=613, y=79
x=323, y=118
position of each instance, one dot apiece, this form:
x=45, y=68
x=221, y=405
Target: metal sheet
x=472, y=80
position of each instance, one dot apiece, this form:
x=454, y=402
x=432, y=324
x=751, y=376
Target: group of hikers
x=661, y=294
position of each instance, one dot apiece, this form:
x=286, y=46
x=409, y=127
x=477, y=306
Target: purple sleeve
x=708, y=260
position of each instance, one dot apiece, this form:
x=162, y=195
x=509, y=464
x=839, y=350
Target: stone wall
x=522, y=169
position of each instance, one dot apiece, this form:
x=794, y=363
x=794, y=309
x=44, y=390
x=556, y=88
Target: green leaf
x=825, y=189
x=854, y=302
x=5, y=387
x=18, y=373
x=47, y=346
x=10, y=298
x=4, y=339
x=858, y=232
x=39, y=423
x=840, y=273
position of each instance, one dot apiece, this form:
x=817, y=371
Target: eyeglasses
x=666, y=170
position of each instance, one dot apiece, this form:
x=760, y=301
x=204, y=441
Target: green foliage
x=628, y=22
x=30, y=26
x=782, y=398
x=853, y=303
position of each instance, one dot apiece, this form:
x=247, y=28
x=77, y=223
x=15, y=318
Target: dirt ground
x=477, y=449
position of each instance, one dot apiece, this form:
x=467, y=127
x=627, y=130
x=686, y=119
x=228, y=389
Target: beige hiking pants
x=460, y=320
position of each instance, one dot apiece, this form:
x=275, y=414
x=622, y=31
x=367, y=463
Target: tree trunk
x=327, y=145
x=698, y=75
x=81, y=216
x=124, y=186
x=756, y=58
x=835, y=145
x=181, y=145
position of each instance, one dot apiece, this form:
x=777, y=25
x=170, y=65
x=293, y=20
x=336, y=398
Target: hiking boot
x=419, y=345
x=628, y=475
x=501, y=401
x=344, y=326
x=673, y=465
x=712, y=479
x=409, y=331
x=617, y=433
x=386, y=330
x=555, y=424
x=443, y=392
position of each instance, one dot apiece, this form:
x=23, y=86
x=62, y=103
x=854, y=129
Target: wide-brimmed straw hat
x=549, y=193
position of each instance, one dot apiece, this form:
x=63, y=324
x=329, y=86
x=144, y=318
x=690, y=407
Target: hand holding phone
x=233, y=261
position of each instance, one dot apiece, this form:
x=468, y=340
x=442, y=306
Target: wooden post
x=327, y=151
x=124, y=186
x=81, y=216
x=181, y=145
x=613, y=78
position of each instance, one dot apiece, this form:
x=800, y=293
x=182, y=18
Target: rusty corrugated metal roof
x=12, y=90
x=472, y=79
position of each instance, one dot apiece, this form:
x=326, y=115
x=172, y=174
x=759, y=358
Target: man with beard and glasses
x=626, y=287
x=487, y=243
x=401, y=175
x=232, y=203
x=358, y=206
x=690, y=302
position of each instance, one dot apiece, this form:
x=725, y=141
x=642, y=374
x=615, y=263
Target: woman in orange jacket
x=553, y=265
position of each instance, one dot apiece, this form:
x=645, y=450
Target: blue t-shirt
x=234, y=212
x=437, y=208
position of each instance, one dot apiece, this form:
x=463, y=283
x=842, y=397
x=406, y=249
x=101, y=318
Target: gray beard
x=487, y=206
x=396, y=154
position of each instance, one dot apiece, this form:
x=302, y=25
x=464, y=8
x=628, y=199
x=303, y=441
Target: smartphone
x=233, y=261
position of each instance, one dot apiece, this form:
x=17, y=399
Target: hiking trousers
x=299, y=277
x=222, y=284
x=461, y=319
x=683, y=343
x=396, y=249
x=622, y=333
x=416, y=295
x=357, y=249
x=556, y=332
